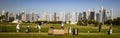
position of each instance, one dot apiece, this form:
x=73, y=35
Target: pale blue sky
x=51, y=6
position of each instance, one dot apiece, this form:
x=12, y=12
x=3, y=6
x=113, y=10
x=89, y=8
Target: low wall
x=58, y=31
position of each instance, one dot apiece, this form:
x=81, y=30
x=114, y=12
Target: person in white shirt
x=70, y=30
x=62, y=25
x=110, y=30
x=39, y=26
x=27, y=29
x=18, y=27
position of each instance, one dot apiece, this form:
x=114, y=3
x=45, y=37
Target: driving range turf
x=10, y=31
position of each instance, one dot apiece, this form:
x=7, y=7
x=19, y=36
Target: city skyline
x=51, y=6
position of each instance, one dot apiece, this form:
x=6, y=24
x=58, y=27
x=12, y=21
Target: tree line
x=115, y=22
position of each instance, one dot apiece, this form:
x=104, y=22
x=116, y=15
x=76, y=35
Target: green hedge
x=13, y=29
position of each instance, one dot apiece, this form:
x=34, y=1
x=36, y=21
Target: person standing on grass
x=110, y=30
x=100, y=27
x=62, y=25
x=70, y=30
x=27, y=29
x=39, y=27
x=18, y=27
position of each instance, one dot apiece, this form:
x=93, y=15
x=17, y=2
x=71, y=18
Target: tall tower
x=92, y=15
x=29, y=17
x=76, y=16
x=7, y=16
x=80, y=16
x=98, y=17
x=11, y=16
x=55, y=16
x=34, y=17
x=84, y=15
x=111, y=13
x=103, y=14
x=44, y=16
x=3, y=12
x=23, y=16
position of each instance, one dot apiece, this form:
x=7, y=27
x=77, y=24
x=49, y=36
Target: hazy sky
x=51, y=6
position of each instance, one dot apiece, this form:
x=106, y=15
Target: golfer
x=62, y=26
x=17, y=27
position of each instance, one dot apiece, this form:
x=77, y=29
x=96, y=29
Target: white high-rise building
x=98, y=17
x=103, y=14
x=68, y=16
x=7, y=16
x=43, y=17
x=49, y=17
x=55, y=16
x=29, y=17
x=63, y=16
x=11, y=17
x=34, y=17
x=60, y=16
x=80, y=17
x=111, y=13
x=86, y=15
x=3, y=12
x=23, y=16
x=76, y=17
x=73, y=18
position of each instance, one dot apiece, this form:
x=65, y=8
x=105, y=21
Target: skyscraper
x=111, y=13
x=92, y=15
x=73, y=18
x=49, y=17
x=80, y=17
x=34, y=17
x=7, y=16
x=11, y=17
x=86, y=15
x=3, y=12
x=61, y=16
x=23, y=16
x=103, y=14
x=98, y=17
x=76, y=17
x=44, y=16
x=29, y=17
x=55, y=17
x=68, y=16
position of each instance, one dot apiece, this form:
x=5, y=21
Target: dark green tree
x=109, y=22
x=116, y=21
x=2, y=17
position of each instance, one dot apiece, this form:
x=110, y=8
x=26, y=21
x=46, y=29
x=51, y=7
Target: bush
x=51, y=22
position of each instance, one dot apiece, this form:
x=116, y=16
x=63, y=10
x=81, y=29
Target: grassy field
x=44, y=35
x=10, y=31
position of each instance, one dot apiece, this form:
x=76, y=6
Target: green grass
x=11, y=31
x=42, y=35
